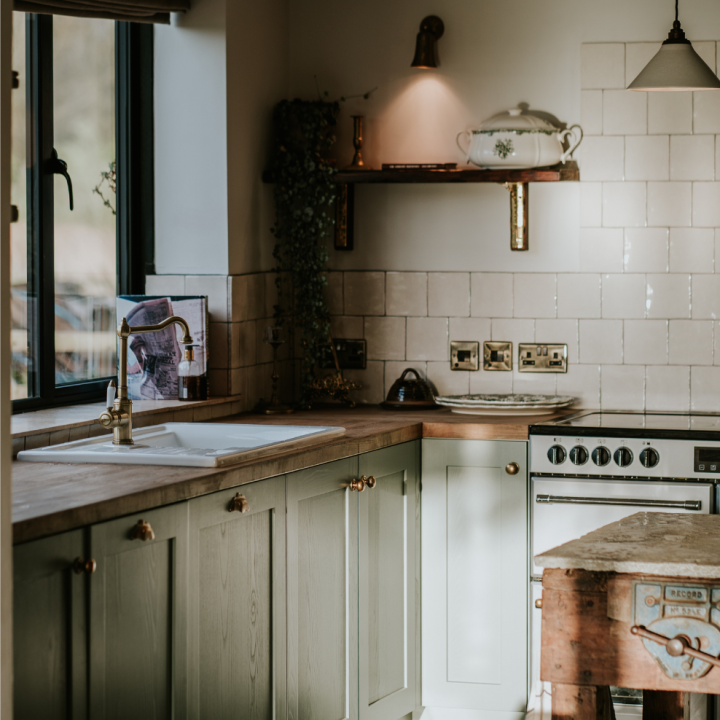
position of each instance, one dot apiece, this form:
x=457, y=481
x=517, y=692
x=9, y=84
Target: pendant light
x=676, y=66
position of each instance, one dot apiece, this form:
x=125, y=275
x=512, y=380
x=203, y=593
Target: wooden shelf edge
x=557, y=173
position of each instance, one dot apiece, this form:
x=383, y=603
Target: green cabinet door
x=238, y=603
x=138, y=617
x=388, y=535
x=49, y=629
x=474, y=579
x=322, y=592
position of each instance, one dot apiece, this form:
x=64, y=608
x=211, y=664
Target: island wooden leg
x=581, y=702
x=663, y=705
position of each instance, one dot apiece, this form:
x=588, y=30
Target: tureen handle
x=571, y=149
x=468, y=134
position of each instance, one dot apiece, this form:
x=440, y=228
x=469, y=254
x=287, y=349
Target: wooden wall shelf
x=515, y=180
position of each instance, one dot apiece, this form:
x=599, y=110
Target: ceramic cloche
x=516, y=139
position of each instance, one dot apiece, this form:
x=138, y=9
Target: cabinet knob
x=512, y=468
x=358, y=485
x=142, y=531
x=538, y=603
x=239, y=504
x=81, y=566
x=371, y=482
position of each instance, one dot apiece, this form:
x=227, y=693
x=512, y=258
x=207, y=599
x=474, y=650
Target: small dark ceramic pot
x=408, y=394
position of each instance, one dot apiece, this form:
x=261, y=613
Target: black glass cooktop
x=634, y=424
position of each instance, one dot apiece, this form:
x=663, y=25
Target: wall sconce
x=431, y=29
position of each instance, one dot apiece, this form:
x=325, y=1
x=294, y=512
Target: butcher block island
x=635, y=604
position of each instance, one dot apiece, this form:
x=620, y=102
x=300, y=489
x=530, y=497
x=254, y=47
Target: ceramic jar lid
x=515, y=120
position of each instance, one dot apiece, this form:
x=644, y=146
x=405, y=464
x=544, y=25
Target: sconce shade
x=431, y=29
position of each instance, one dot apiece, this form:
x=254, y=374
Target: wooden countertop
x=49, y=498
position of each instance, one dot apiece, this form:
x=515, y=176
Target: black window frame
x=135, y=218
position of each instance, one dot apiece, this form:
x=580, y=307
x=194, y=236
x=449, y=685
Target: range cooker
x=593, y=468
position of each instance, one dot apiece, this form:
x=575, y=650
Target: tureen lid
x=515, y=120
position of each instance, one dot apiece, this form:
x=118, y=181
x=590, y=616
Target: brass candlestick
x=357, y=161
x=274, y=407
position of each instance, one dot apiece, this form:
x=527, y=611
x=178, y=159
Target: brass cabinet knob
x=371, y=482
x=358, y=485
x=142, y=531
x=239, y=504
x=538, y=603
x=512, y=468
x=81, y=566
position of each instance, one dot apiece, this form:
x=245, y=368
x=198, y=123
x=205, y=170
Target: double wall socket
x=542, y=358
x=464, y=355
x=497, y=355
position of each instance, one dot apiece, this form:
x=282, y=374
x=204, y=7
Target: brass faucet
x=119, y=415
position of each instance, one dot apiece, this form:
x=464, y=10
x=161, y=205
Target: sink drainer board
x=187, y=445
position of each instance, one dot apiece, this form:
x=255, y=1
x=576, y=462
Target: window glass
x=85, y=247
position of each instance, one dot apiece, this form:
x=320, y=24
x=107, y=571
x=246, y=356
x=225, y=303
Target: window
x=82, y=181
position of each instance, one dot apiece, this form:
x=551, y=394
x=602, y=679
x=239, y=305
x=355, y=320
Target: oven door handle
x=561, y=500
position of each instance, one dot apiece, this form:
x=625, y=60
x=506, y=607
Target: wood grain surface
x=50, y=498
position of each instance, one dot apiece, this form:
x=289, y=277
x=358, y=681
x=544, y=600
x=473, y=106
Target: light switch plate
x=464, y=355
x=497, y=356
x=542, y=358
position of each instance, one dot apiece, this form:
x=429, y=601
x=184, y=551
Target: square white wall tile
x=646, y=342
x=647, y=157
x=333, y=293
x=624, y=204
x=427, y=339
x=534, y=295
x=602, y=65
x=692, y=250
x=364, y=293
x=447, y=381
x=591, y=103
x=578, y=295
x=470, y=329
x=215, y=287
x=706, y=204
x=705, y=389
x=667, y=388
x=491, y=294
x=394, y=369
x=165, y=285
x=646, y=250
x=601, y=250
x=706, y=112
x=514, y=331
x=601, y=342
x=623, y=296
x=692, y=157
x=622, y=387
x=491, y=382
x=637, y=56
x=670, y=113
x=669, y=204
x=624, y=112
x=691, y=342
x=406, y=293
x=668, y=296
x=559, y=331
x=540, y=384
x=706, y=297
x=601, y=158
x=590, y=204
x=385, y=338
x=449, y=294
x=349, y=327
x=583, y=382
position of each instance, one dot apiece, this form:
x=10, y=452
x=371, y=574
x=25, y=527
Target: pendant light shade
x=676, y=66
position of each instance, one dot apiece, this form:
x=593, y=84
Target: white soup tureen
x=513, y=140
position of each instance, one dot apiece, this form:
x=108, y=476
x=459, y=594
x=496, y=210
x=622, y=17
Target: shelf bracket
x=519, y=225
x=345, y=217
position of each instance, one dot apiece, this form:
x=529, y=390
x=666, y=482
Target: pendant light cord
x=676, y=10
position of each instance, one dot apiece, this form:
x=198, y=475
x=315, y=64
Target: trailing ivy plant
x=302, y=172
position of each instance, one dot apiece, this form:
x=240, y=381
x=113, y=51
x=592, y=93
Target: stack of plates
x=505, y=404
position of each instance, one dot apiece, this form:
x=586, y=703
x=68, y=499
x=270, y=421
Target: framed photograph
x=153, y=358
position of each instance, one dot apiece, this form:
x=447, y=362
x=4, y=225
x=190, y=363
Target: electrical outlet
x=351, y=355
x=542, y=358
x=497, y=356
x=464, y=355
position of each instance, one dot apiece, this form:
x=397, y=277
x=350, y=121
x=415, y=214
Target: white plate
x=515, y=400
x=506, y=412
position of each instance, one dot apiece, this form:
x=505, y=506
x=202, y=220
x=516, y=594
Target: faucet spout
x=119, y=417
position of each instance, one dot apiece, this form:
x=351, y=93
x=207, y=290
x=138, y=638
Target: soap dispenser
x=192, y=384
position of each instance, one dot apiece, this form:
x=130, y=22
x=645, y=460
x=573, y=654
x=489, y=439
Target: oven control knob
x=557, y=454
x=578, y=455
x=601, y=456
x=649, y=458
x=623, y=457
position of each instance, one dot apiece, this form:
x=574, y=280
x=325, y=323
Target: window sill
x=75, y=422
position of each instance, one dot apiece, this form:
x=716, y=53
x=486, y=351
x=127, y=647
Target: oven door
x=564, y=509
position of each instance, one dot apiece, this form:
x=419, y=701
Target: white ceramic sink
x=187, y=445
